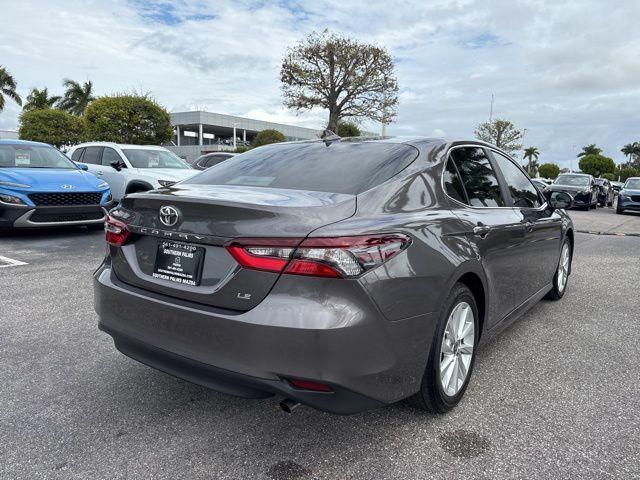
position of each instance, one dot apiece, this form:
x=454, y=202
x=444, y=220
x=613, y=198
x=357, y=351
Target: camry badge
x=169, y=215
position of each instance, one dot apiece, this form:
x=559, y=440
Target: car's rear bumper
x=21, y=216
x=366, y=359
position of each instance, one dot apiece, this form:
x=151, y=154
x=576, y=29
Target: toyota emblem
x=169, y=215
x=67, y=186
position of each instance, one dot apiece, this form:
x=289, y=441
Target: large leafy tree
x=128, y=119
x=40, y=99
x=549, y=170
x=346, y=77
x=266, y=137
x=624, y=172
x=502, y=133
x=348, y=129
x=531, y=154
x=52, y=126
x=8, y=88
x=596, y=164
x=590, y=150
x=77, y=97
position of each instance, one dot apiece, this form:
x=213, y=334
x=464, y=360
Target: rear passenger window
x=478, y=177
x=92, y=155
x=522, y=191
x=453, y=183
x=77, y=154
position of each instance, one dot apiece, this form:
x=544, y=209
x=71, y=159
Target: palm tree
x=590, y=150
x=532, y=154
x=631, y=150
x=8, y=88
x=39, y=99
x=76, y=97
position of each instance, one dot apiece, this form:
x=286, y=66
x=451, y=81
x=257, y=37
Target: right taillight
x=336, y=257
x=116, y=231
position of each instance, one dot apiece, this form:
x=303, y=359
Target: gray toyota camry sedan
x=343, y=274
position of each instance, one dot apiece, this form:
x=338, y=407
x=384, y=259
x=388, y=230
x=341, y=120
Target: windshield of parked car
x=33, y=156
x=572, y=180
x=600, y=181
x=141, y=158
x=633, y=184
x=341, y=167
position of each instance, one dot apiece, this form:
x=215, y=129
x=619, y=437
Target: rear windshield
x=338, y=168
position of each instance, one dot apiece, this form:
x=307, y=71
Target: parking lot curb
x=617, y=234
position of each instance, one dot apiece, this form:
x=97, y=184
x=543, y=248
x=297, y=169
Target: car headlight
x=625, y=196
x=103, y=185
x=14, y=185
x=166, y=183
x=11, y=200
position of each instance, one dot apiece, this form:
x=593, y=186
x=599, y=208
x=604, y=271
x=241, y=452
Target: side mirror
x=82, y=166
x=117, y=165
x=559, y=200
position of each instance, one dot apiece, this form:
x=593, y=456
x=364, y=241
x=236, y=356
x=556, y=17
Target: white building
x=197, y=133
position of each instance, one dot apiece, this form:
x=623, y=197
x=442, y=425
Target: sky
x=566, y=71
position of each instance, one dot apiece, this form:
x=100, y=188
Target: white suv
x=131, y=168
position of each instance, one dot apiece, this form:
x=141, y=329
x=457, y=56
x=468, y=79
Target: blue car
x=41, y=187
x=629, y=196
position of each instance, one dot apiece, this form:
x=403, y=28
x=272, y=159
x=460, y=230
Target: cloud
x=567, y=72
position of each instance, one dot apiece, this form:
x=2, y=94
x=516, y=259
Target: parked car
x=210, y=159
x=617, y=186
x=131, y=168
x=540, y=184
x=41, y=187
x=344, y=276
x=606, y=194
x=580, y=186
x=629, y=196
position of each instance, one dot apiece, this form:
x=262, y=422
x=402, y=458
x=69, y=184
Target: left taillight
x=116, y=231
x=335, y=257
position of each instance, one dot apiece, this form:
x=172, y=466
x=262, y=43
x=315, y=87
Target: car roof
x=120, y=145
x=26, y=143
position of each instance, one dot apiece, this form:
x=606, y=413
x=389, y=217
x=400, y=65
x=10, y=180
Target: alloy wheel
x=456, y=351
x=563, y=268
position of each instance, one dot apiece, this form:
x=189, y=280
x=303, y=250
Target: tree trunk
x=333, y=121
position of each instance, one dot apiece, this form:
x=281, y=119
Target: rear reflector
x=117, y=232
x=337, y=257
x=309, y=385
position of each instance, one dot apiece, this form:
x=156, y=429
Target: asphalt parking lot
x=555, y=396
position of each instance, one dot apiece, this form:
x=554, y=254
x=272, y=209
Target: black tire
x=619, y=211
x=431, y=396
x=556, y=293
x=594, y=206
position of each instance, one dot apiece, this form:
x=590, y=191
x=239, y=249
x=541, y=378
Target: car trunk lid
x=208, y=218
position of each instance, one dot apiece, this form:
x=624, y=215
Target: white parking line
x=10, y=262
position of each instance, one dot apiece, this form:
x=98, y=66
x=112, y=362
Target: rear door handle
x=481, y=230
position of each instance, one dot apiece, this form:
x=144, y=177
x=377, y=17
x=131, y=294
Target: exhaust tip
x=289, y=405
